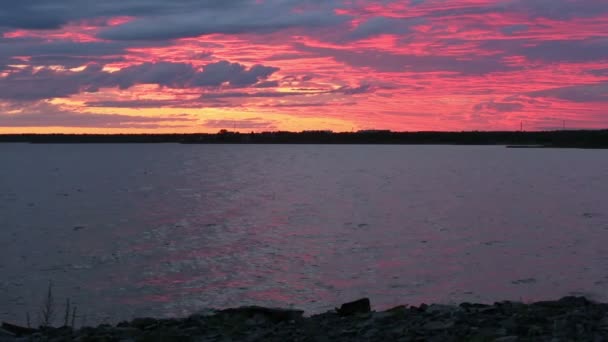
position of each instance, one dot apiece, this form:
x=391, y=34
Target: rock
x=256, y=320
x=18, y=330
x=359, y=306
x=397, y=309
x=143, y=323
x=371, y=333
x=123, y=324
x=6, y=333
x=574, y=301
x=384, y=315
x=127, y=332
x=508, y=324
x=490, y=310
x=565, y=302
x=273, y=314
x=423, y=307
x=204, y=313
x=442, y=309
x=467, y=306
x=61, y=333
x=438, y=325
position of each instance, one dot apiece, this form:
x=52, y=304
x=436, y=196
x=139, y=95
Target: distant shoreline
x=544, y=139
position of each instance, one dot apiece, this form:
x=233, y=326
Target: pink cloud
x=402, y=65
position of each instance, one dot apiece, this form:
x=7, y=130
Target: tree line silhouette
x=564, y=138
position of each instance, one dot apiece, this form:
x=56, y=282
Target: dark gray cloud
x=514, y=29
x=137, y=103
x=597, y=92
x=267, y=84
x=51, y=14
x=236, y=74
x=501, y=107
x=73, y=61
x=238, y=94
x=180, y=18
x=362, y=89
x=259, y=18
x=383, y=25
x=156, y=21
x=551, y=9
x=173, y=75
x=46, y=115
x=68, y=53
x=160, y=20
x=4, y=62
x=566, y=50
x=35, y=47
x=550, y=50
x=248, y=124
x=308, y=104
x=345, y=90
x=599, y=72
x=29, y=84
x=34, y=84
x=215, y=99
x=557, y=9
x=393, y=62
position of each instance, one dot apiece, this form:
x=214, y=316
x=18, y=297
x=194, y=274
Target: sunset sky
x=117, y=66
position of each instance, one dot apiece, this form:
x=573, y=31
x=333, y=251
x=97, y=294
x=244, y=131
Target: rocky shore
x=566, y=319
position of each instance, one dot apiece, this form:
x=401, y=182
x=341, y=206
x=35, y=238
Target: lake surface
x=160, y=230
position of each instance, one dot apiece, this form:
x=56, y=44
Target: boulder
x=143, y=323
x=359, y=306
x=17, y=330
x=565, y=302
x=273, y=314
x=5, y=333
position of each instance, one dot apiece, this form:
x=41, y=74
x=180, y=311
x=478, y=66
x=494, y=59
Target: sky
x=186, y=66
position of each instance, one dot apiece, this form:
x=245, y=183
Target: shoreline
x=565, y=319
x=518, y=139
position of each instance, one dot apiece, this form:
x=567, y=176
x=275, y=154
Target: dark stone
x=62, y=332
x=18, y=330
x=566, y=302
x=438, y=325
x=123, y=324
x=397, y=309
x=143, y=323
x=467, y=305
x=4, y=333
x=272, y=314
x=574, y=301
x=359, y=306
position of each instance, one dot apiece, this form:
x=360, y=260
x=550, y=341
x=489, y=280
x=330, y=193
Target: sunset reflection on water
x=170, y=229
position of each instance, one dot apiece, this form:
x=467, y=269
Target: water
x=167, y=230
